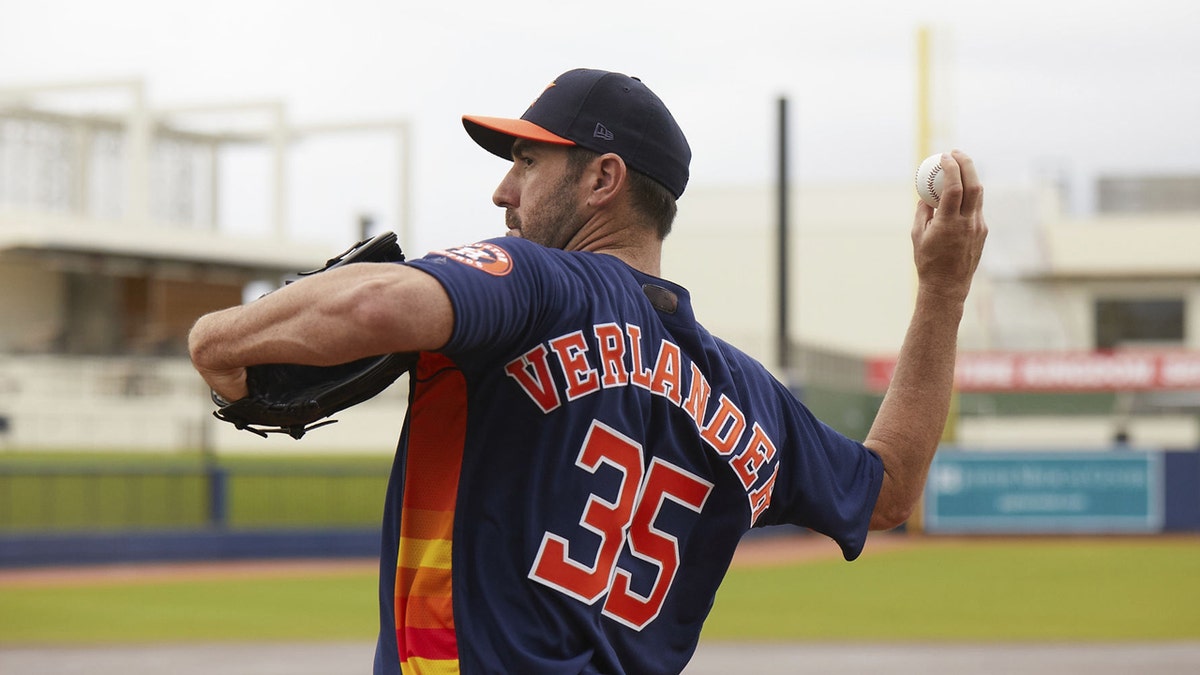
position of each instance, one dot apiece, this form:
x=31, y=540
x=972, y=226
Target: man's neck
x=641, y=252
x=632, y=243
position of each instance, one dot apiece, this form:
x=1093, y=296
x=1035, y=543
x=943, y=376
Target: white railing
x=156, y=404
x=100, y=151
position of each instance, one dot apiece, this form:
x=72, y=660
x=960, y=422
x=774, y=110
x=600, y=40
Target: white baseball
x=929, y=180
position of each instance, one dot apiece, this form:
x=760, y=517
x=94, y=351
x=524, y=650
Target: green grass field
x=326, y=607
x=1118, y=589
x=977, y=590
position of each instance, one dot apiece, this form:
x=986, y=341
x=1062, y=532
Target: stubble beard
x=552, y=223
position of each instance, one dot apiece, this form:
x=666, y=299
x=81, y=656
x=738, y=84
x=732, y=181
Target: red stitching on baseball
x=932, y=175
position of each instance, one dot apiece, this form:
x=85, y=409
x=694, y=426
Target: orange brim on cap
x=496, y=134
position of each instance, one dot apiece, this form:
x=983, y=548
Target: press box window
x=1129, y=322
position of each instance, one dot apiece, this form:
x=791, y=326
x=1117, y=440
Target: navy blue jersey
x=577, y=467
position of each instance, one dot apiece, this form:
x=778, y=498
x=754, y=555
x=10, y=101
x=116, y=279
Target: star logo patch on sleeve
x=482, y=256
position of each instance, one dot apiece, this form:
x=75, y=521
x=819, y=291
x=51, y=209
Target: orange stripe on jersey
x=428, y=612
x=424, y=590
x=429, y=585
x=422, y=524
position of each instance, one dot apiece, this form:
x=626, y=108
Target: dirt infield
x=783, y=549
x=152, y=573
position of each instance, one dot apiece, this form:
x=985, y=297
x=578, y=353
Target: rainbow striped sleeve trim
x=425, y=633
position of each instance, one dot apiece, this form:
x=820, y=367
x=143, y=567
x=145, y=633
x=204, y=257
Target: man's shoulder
x=519, y=264
x=500, y=251
x=498, y=257
x=742, y=362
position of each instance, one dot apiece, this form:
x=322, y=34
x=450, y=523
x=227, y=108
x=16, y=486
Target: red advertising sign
x=1062, y=371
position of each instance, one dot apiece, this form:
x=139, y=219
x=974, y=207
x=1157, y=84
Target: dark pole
x=365, y=223
x=783, y=338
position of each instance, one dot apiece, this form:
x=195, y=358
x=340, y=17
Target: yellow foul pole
x=924, y=93
x=924, y=148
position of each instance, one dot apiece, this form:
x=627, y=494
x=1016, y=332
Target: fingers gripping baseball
x=948, y=241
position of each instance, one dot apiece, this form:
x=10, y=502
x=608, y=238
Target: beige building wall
x=853, y=281
x=851, y=270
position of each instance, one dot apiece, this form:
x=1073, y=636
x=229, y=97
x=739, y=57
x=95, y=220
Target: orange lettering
x=666, y=373
x=581, y=377
x=760, y=499
x=727, y=418
x=611, y=342
x=697, y=400
x=758, y=452
x=532, y=373
x=638, y=375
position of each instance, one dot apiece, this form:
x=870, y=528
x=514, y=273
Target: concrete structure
x=120, y=223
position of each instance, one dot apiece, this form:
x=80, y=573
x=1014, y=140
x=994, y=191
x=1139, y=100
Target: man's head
x=602, y=112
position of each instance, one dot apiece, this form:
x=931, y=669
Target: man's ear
x=608, y=175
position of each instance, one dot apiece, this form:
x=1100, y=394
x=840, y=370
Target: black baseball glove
x=291, y=399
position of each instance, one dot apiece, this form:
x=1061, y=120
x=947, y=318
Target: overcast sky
x=1029, y=87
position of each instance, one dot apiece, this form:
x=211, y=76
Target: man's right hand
x=948, y=241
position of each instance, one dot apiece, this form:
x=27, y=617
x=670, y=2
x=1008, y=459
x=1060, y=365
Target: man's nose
x=505, y=195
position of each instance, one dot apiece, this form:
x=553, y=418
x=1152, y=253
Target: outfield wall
x=1080, y=492
x=83, y=512
x=54, y=516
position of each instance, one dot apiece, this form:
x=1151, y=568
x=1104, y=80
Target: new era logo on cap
x=601, y=111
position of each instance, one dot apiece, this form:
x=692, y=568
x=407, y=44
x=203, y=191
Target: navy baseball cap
x=601, y=111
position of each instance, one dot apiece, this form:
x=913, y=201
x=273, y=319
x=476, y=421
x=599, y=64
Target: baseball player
x=580, y=456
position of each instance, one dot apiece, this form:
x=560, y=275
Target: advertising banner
x=1044, y=492
x=1061, y=371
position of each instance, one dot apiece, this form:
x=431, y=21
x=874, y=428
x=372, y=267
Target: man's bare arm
x=360, y=310
x=947, y=246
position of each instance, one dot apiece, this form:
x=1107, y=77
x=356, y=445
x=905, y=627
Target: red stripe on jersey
x=433, y=644
x=437, y=432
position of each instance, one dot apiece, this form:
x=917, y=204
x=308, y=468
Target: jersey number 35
x=630, y=519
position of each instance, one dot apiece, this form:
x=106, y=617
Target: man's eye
x=527, y=161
